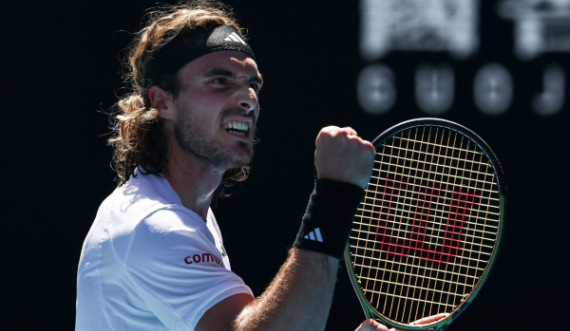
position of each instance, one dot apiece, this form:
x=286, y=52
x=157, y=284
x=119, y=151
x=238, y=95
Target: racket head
x=438, y=229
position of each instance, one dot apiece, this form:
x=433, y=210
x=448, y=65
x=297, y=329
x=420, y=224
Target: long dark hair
x=138, y=139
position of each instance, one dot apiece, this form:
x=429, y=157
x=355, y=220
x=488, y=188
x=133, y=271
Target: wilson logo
x=430, y=231
x=203, y=258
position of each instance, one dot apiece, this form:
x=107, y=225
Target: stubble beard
x=191, y=135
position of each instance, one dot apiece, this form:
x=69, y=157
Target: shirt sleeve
x=176, y=268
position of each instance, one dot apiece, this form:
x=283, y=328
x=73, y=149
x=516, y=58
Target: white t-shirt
x=149, y=263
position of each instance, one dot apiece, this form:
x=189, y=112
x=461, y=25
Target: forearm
x=299, y=297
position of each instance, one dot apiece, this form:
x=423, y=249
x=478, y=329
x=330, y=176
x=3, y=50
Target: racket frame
x=442, y=324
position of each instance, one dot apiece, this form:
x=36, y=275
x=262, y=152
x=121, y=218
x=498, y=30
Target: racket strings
x=427, y=227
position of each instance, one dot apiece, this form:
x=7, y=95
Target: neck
x=193, y=181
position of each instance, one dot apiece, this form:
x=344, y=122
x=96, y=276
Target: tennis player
x=154, y=257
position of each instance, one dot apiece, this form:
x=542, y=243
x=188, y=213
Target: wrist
x=328, y=219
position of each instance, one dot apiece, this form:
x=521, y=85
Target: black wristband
x=328, y=218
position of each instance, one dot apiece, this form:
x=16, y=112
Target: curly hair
x=138, y=139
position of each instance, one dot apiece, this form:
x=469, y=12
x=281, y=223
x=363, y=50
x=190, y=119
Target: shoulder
x=170, y=220
x=143, y=193
x=142, y=197
x=172, y=232
x=147, y=213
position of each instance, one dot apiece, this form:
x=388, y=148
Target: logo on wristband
x=314, y=235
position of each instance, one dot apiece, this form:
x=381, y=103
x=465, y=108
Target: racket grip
x=328, y=219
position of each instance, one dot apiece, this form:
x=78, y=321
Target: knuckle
x=329, y=131
x=330, y=128
x=349, y=132
x=367, y=325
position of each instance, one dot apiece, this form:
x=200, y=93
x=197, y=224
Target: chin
x=243, y=158
x=232, y=156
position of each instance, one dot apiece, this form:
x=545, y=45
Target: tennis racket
x=426, y=235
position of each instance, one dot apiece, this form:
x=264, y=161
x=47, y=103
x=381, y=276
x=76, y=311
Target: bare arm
x=300, y=296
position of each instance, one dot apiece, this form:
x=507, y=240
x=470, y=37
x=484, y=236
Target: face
x=217, y=108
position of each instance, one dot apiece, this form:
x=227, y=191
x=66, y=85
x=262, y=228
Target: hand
x=430, y=319
x=342, y=155
x=372, y=325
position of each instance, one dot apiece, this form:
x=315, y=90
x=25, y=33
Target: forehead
x=239, y=63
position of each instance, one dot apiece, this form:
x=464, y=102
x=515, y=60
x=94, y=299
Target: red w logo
x=427, y=223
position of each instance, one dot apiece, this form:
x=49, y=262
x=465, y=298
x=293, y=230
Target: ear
x=162, y=101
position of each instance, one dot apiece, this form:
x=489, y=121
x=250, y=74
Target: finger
x=369, y=145
x=430, y=319
x=372, y=325
x=349, y=131
x=328, y=130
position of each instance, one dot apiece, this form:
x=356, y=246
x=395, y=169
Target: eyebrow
x=227, y=73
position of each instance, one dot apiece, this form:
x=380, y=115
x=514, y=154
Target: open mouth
x=237, y=128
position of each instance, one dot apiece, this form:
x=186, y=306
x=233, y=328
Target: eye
x=256, y=87
x=220, y=80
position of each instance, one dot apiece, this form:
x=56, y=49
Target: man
x=154, y=258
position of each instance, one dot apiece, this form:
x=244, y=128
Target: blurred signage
x=452, y=26
x=541, y=26
x=418, y=25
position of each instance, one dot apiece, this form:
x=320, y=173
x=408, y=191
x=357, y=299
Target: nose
x=248, y=100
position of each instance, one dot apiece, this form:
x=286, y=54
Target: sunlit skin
x=216, y=88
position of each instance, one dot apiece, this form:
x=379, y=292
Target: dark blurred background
x=497, y=67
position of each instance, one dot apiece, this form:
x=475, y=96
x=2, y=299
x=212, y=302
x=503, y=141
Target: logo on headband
x=235, y=37
x=189, y=46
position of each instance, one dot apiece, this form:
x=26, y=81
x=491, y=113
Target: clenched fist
x=342, y=155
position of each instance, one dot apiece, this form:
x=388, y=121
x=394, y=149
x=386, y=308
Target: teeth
x=235, y=125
